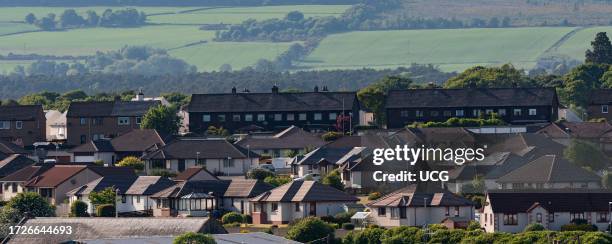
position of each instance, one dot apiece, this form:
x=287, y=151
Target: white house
x=513, y=210
x=56, y=125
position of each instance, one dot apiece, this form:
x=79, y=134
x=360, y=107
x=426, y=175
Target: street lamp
x=116, y=204
x=609, y=217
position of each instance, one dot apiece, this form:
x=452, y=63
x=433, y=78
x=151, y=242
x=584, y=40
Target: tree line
x=129, y=17
x=80, y=3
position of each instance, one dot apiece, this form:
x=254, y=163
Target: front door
x=181, y=165
x=242, y=206
x=313, y=209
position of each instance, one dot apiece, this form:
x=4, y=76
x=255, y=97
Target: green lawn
x=233, y=15
x=454, y=49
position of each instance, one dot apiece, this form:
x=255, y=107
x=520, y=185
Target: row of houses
x=314, y=111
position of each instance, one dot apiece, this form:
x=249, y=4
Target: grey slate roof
x=100, y=228
x=120, y=182
x=471, y=97
x=290, y=138
x=187, y=148
x=331, y=155
x=304, y=191
x=600, y=97
x=20, y=112
x=8, y=148
x=149, y=185
x=138, y=140
x=110, y=109
x=243, y=188
x=233, y=238
x=271, y=102
x=246, y=188
x=549, y=169
x=553, y=200
x=413, y=196
x=14, y=163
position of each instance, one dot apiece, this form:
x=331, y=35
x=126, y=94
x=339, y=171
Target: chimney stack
x=316, y=89
x=140, y=95
x=274, y=89
x=325, y=88
x=234, y=90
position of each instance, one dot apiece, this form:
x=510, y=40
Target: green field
x=454, y=49
x=9, y=28
x=237, y=15
x=18, y=13
x=577, y=44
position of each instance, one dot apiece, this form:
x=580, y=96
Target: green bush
x=161, y=172
x=259, y=174
x=435, y=227
x=105, y=210
x=194, y=238
x=374, y=196
x=534, y=227
x=348, y=226
x=78, y=209
x=403, y=234
x=132, y=162
x=344, y=217
x=368, y=235
x=277, y=180
x=232, y=217
x=578, y=227
x=473, y=225
x=447, y=236
x=309, y=229
x=331, y=136
x=247, y=218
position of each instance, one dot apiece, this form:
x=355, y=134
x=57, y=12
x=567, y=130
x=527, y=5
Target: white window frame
x=419, y=113
x=206, y=118
x=138, y=120
x=123, y=120
x=236, y=117
x=517, y=112
x=82, y=121
x=332, y=116
x=5, y=125
x=404, y=114
x=261, y=117
x=459, y=113
x=318, y=116
x=501, y=112
x=302, y=116
x=19, y=124
x=604, y=109
x=290, y=117
x=533, y=112
x=278, y=117
x=248, y=117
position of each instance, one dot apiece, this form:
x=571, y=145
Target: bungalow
x=298, y=199
x=513, y=210
x=217, y=155
x=559, y=173
x=201, y=197
x=513, y=105
x=292, y=140
x=119, y=183
x=195, y=173
x=598, y=133
x=320, y=161
x=134, y=143
x=411, y=206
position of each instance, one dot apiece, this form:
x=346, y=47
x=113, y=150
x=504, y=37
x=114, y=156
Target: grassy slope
x=8, y=28
x=455, y=49
x=576, y=45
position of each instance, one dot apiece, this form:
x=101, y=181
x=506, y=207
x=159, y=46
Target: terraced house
x=513, y=105
x=22, y=125
x=97, y=120
x=245, y=111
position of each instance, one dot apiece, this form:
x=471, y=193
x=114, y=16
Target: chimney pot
x=274, y=89
x=316, y=89
x=234, y=90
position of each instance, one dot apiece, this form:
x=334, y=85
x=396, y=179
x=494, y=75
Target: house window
x=602, y=217
x=5, y=125
x=517, y=185
x=83, y=139
x=96, y=121
x=403, y=113
x=486, y=219
x=533, y=112
x=206, y=117
x=539, y=217
x=274, y=207
x=221, y=117
x=382, y=211
x=551, y=217
x=13, y=187
x=278, y=117
x=491, y=219
x=510, y=219
x=236, y=117
x=489, y=111
x=248, y=117
x=539, y=185
x=124, y=121
x=137, y=199
x=123, y=198
x=419, y=113
x=502, y=112
x=83, y=121
x=402, y=212
x=574, y=216
x=261, y=117
x=456, y=211
x=297, y=206
x=302, y=116
x=517, y=112
x=18, y=125
x=459, y=113
x=290, y=117
x=46, y=192
x=434, y=113
x=476, y=113
x=394, y=213
x=138, y=120
x=332, y=116
x=228, y=163
x=604, y=109
x=447, y=113
x=318, y=116
x=447, y=213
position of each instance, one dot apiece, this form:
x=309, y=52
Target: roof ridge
x=552, y=166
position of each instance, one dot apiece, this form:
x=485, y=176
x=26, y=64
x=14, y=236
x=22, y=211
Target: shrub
x=331, y=136
x=259, y=174
x=403, y=234
x=232, y=217
x=32, y=203
x=193, y=238
x=161, y=172
x=348, y=226
x=328, y=219
x=447, y=236
x=78, y=209
x=578, y=227
x=105, y=210
x=436, y=227
x=473, y=225
x=374, y=196
x=132, y=162
x=247, y=218
x=277, y=180
x=344, y=217
x=309, y=229
x=534, y=227
x=369, y=235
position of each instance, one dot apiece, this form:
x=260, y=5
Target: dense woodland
x=71, y=19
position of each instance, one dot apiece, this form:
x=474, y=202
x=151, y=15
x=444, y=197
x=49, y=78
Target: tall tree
x=602, y=50
x=30, y=18
x=585, y=154
x=373, y=96
x=163, y=119
x=490, y=77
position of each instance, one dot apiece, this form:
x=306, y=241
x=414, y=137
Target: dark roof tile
x=253, y=102
x=471, y=97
